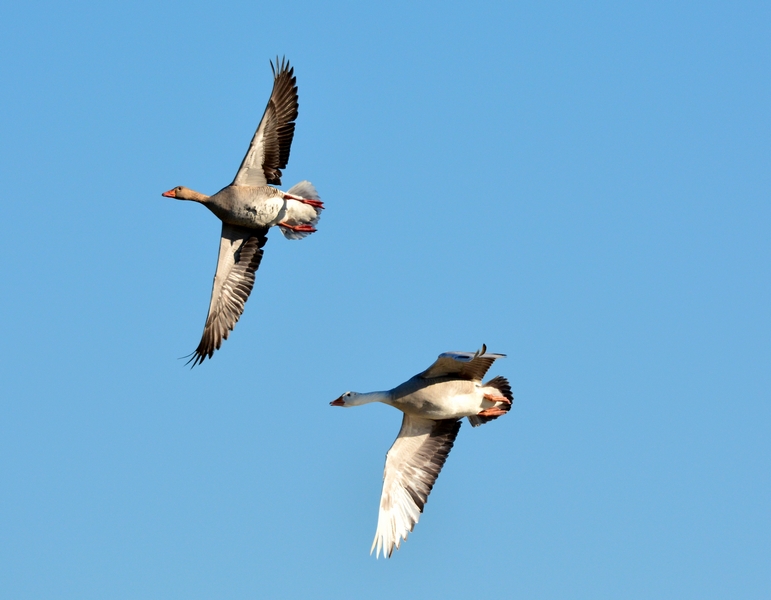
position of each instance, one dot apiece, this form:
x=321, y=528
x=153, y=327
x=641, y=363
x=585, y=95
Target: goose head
x=347, y=399
x=182, y=193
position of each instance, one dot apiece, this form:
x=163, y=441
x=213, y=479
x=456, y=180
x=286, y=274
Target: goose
x=250, y=206
x=433, y=403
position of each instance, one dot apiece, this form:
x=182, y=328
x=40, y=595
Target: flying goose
x=249, y=206
x=433, y=403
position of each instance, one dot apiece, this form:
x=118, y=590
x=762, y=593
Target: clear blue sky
x=584, y=188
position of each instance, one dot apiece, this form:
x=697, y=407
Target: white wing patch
x=412, y=465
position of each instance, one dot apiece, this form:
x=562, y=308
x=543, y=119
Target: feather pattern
x=239, y=257
x=412, y=465
x=461, y=365
x=269, y=150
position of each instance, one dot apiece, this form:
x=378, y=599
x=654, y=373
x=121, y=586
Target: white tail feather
x=299, y=213
x=304, y=189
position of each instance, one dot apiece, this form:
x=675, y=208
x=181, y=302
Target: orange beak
x=338, y=402
x=170, y=194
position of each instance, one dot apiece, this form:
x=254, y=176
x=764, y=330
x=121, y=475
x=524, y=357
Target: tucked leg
x=297, y=227
x=316, y=203
x=491, y=412
x=493, y=398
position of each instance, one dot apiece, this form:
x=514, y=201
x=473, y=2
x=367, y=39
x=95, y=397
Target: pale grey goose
x=433, y=403
x=248, y=207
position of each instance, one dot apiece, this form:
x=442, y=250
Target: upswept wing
x=269, y=151
x=463, y=365
x=239, y=258
x=412, y=465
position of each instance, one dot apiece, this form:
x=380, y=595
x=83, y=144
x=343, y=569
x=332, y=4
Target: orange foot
x=316, y=203
x=297, y=227
x=492, y=398
x=491, y=412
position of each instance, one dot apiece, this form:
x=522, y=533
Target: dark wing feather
x=239, y=257
x=269, y=151
x=412, y=465
x=462, y=365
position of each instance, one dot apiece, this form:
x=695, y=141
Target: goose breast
x=248, y=206
x=448, y=399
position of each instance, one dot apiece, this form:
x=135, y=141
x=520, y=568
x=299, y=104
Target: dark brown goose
x=250, y=206
x=433, y=403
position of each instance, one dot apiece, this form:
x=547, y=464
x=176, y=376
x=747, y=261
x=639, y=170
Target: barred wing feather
x=269, y=150
x=240, y=256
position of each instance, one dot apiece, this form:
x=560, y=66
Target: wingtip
x=193, y=357
x=379, y=546
x=483, y=352
x=197, y=357
x=280, y=66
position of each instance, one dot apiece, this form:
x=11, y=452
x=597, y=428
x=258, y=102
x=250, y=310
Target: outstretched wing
x=412, y=465
x=269, y=151
x=463, y=365
x=239, y=258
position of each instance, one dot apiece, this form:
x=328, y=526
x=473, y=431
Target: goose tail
x=303, y=214
x=498, y=386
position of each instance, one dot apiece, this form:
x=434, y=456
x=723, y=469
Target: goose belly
x=444, y=401
x=264, y=213
x=248, y=206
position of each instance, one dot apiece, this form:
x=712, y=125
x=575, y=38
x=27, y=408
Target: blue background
x=584, y=188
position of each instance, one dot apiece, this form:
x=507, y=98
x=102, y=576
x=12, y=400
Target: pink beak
x=170, y=194
x=338, y=402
